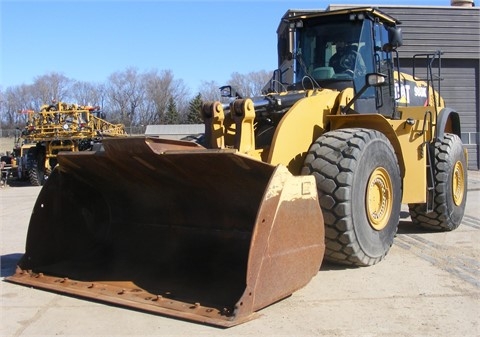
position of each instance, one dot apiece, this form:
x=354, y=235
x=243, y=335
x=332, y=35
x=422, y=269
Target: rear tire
x=450, y=179
x=359, y=186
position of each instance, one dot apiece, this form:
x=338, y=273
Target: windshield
x=334, y=50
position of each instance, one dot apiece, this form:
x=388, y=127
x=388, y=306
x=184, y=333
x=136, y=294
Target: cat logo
x=410, y=93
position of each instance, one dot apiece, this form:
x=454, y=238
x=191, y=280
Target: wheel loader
x=318, y=166
x=57, y=127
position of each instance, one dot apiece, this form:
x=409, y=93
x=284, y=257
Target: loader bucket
x=172, y=228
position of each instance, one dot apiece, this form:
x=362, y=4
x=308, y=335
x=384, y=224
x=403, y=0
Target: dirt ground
x=428, y=285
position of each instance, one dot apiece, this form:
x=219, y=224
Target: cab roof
x=299, y=14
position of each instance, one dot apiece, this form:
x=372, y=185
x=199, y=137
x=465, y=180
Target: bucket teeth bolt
x=195, y=305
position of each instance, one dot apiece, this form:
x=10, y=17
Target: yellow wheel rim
x=379, y=198
x=458, y=183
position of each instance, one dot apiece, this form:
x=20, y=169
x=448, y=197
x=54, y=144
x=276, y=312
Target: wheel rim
x=379, y=198
x=458, y=183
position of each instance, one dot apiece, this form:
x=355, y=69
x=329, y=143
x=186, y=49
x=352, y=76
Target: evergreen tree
x=172, y=116
x=194, y=110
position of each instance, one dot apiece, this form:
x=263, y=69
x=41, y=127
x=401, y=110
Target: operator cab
x=336, y=50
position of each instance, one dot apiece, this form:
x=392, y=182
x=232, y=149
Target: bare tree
x=210, y=91
x=251, y=84
x=19, y=99
x=16, y=101
x=259, y=80
x=85, y=93
x=125, y=92
x=247, y=85
x=181, y=95
x=160, y=89
x=52, y=86
x=129, y=97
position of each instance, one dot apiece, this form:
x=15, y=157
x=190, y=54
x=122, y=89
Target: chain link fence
x=9, y=133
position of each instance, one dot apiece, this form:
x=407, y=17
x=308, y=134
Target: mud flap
x=170, y=227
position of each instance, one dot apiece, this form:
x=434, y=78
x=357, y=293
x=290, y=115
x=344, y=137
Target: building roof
x=174, y=129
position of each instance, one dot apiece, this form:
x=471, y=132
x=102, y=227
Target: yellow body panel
x=414, y=159
x=300, y=127
x=414, y=140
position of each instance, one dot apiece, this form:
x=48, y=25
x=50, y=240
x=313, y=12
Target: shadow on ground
x=14, y=182
x=405, y=226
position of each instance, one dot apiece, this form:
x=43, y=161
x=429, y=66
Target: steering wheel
x=349, y=60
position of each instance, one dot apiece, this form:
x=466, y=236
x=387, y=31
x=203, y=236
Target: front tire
x=450, y=179
x=359, y=186
x=36, y=174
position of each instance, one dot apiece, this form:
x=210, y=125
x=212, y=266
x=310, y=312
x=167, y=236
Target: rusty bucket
x=170, y=227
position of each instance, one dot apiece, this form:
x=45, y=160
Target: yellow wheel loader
x=319, y=165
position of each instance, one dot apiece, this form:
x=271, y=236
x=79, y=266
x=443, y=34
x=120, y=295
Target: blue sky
x=197, y=40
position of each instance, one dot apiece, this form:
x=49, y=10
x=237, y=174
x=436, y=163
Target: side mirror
x=229, y=92
x=395, y=37
x=226, y=91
